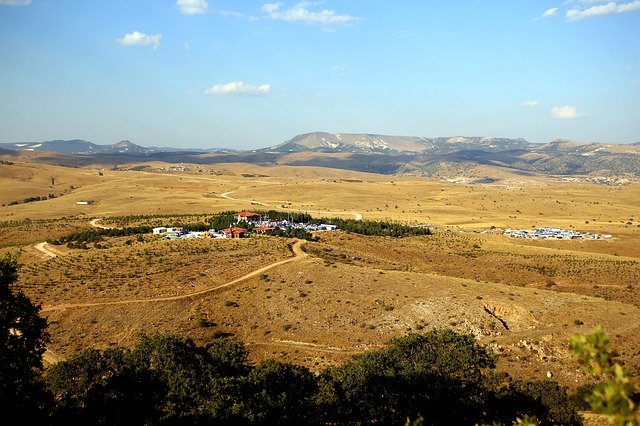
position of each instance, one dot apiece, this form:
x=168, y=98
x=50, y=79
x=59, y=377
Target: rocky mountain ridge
x=435, y=157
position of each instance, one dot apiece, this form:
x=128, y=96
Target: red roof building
x=235, y=232
x=247, y=217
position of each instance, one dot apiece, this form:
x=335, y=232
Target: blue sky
x=251, y=74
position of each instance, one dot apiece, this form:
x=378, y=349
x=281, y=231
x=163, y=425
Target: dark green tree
x=437, y=375
x=104, y=388
x=23, y=339
x=279, y=394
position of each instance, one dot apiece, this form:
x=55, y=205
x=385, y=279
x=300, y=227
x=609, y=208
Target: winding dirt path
x=297, y=252
x=44, y=248
x=94, y=223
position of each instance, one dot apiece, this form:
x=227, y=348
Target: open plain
x=319, y=302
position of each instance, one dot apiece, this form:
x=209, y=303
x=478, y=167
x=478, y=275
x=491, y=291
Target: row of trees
x=31, y=199
x=374, y=227
x=96, y=235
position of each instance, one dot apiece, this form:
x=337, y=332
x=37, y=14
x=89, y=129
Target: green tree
x=437, y=375
x=612, y=396
x=278, y=393
x=23, y=339
x=104, y=388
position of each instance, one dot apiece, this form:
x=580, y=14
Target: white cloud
x=192, y=7
x=301, y=13
x=15, y=2
x=238, y=88
x=138, y=38
x=530, y=104
x=564, y=112
x=550, y=12
x=609, y=8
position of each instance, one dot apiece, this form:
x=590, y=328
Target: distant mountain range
x=381, y=144
x=374, y=153
x=82, y=147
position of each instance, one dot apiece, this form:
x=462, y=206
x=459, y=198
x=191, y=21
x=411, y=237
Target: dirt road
x=296, y=248
x=43, y=247
x=94, y=223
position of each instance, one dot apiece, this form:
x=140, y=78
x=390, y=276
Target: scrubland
x=521, y=298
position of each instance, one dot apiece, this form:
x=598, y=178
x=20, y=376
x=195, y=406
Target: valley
x=344, y=293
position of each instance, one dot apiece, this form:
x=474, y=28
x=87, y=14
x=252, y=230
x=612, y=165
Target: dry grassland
x=521, y=298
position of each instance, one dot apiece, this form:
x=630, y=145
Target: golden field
x=347, y=293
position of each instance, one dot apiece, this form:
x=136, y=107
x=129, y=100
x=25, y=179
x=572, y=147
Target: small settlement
x=552, y=233
x=244, y=224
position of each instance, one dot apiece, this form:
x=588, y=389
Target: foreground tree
x=23, y=339
x=613, y=396
x=438, y=375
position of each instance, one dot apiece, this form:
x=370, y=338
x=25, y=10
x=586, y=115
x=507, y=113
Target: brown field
x=349, y=293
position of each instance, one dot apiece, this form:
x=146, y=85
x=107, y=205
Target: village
x=554, y=233
x=244, y=223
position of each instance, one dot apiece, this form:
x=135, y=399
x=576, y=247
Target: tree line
x=96, y=235
x=374, y=227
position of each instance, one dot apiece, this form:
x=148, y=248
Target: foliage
x=290, y=232
x=279, y=394
x=106, y=387
x=613, y=396
x=372, y=227
x=222, y=220
x=545, y=401
x=23, y=338
x=438, y=375
x=294, y=217
x=96, y=235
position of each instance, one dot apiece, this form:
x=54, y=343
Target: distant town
x=244, y=224
x=553, y=233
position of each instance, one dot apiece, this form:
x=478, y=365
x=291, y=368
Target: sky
x=252, y=74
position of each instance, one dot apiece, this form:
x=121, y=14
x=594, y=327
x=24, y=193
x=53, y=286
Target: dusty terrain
x=521, y=298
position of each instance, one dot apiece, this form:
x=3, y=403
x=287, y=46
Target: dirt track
x=296, y=249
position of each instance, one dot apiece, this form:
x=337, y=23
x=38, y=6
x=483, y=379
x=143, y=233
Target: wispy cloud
x=402, y=34
x=301, y=13
x=15, y=2
x=564, y=112
x=138, y=38
x=238, y=88
x=609, y=8
x=530, y=104
x=550, y=12
x=234, y=14
x=192, y=7
x=339, y=70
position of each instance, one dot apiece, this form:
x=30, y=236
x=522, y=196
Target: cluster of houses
x=552, y=233
x=259, y=225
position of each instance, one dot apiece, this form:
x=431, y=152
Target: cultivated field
x=347, y=293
